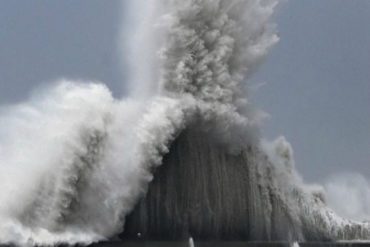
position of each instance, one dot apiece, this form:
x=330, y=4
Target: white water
x=191, y=242
x=74, y=160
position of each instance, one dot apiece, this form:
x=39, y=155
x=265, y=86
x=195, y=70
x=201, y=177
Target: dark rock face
x=205, y=192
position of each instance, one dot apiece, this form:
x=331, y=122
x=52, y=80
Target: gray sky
x=317, y=78
x=318, y=85
x=42, y=40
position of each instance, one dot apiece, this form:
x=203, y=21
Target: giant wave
x=76, y=162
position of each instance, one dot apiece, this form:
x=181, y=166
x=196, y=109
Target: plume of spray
x=356, y=189
x=74, y=160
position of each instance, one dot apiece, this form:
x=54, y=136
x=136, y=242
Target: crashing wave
x=75, y=161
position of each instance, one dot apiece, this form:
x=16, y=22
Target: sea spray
x=75, y=161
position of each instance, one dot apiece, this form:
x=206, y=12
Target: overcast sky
x=317, y=79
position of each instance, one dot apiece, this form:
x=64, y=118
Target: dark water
x=217, y=244
x=226, y=244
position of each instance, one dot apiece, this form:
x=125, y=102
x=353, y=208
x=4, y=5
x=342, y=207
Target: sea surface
x=230, y=244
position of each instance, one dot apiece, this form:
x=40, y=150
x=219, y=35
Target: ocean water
x=230, y=244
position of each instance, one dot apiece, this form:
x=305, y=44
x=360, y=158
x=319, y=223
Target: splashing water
x=191, y=242
x=295, y=244
x=74, y=161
